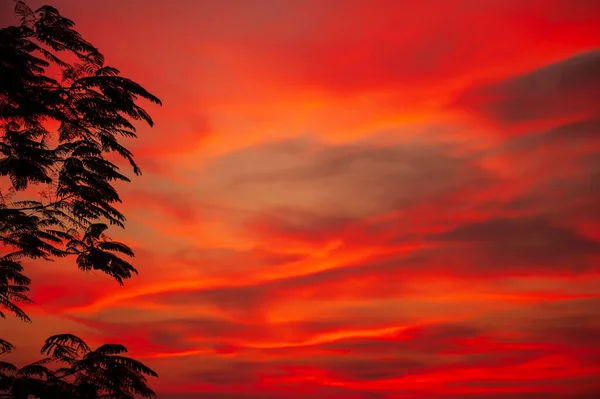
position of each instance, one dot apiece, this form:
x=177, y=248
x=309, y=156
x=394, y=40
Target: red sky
x=350, y=199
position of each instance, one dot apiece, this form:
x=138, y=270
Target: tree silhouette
x=50, y=74
x=79, y=372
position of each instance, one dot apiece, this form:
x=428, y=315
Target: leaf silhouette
x=94, y=107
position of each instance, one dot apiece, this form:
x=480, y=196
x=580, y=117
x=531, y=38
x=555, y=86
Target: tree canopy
x=72, y=370
x=57, y=192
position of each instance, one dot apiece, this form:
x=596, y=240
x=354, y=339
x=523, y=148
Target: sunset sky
x=349, y=199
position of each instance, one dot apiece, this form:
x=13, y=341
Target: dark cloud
x=222, y=335
x=432, y=339
x=560, y=171
x=494, y=247
x=499, y=246
x=582, y=136
x=376, y=278
x=445, y=347
x=587, y=131
x=569, y=323
x=240, y=302
x=165, y=336
x=391, y=176
x=236, y=373
x=573, y=331
x=310, y=189
x=395, y=357
x=525, y=242
x=568, y=88
x=365, y=369
x=166, y=339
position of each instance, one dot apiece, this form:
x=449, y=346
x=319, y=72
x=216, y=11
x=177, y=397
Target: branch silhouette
x=95, y=107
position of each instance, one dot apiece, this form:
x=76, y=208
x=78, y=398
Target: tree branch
x=40, y=207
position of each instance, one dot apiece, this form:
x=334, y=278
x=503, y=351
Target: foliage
x=51, y=75
x=79, y=373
